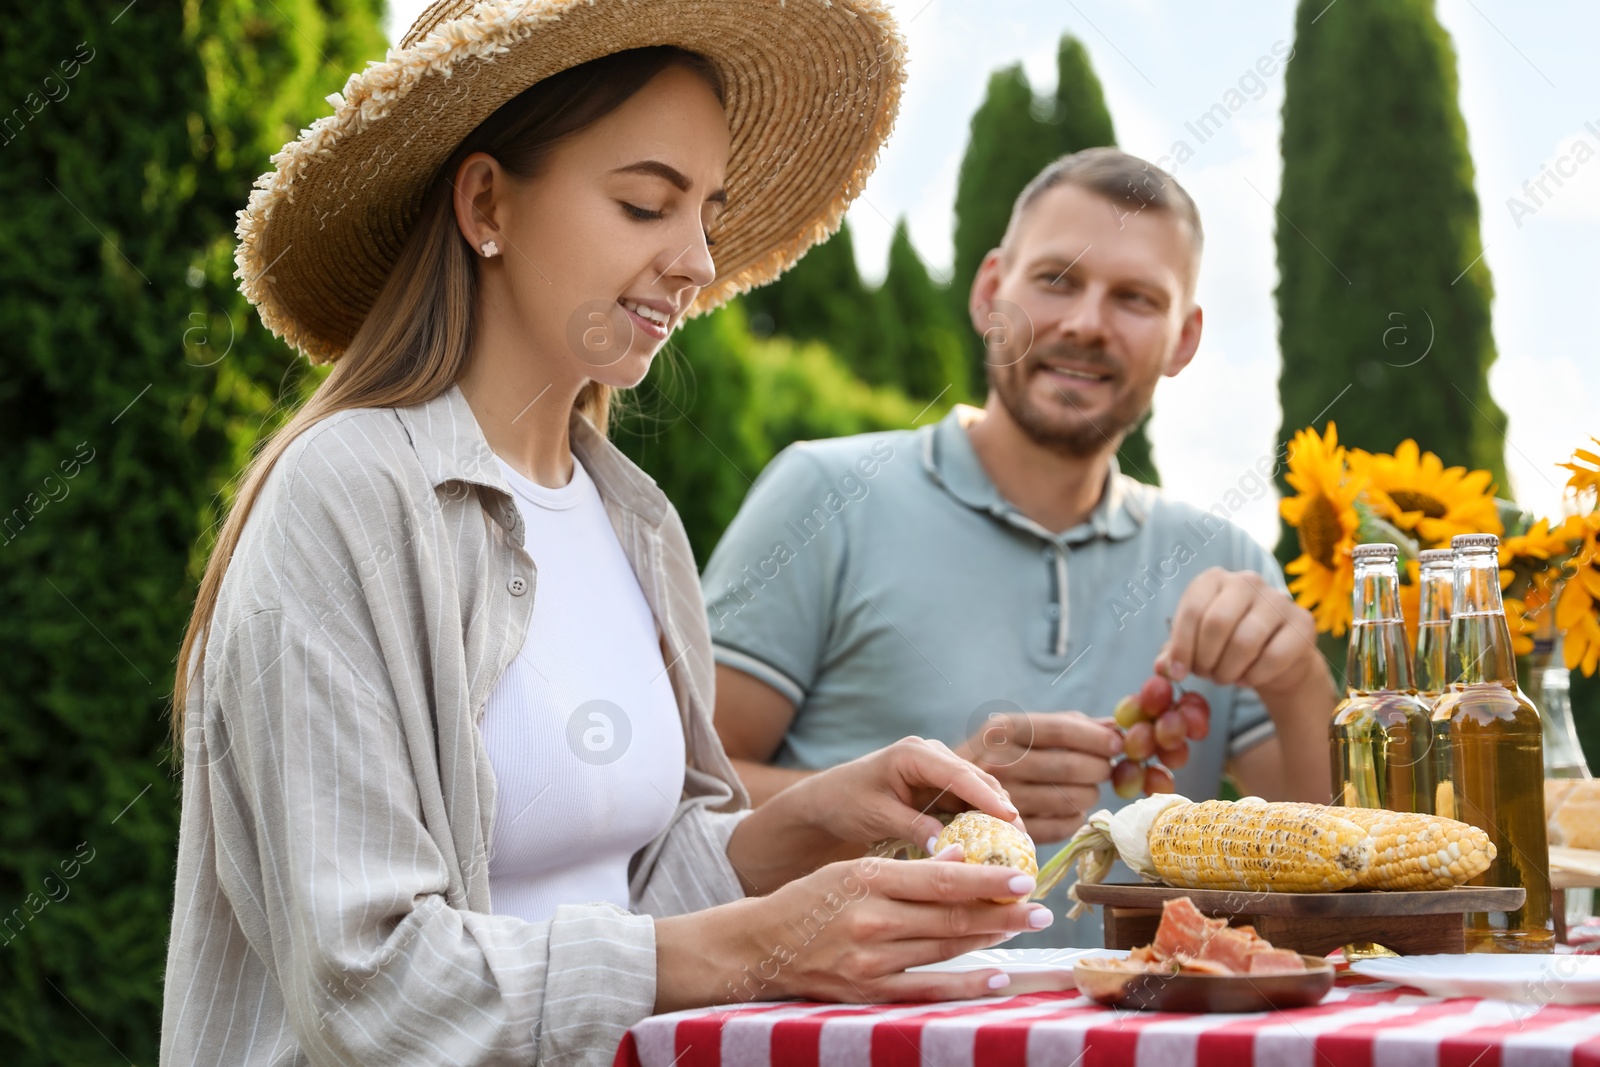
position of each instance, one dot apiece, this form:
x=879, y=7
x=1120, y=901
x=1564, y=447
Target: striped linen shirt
x=332, y=883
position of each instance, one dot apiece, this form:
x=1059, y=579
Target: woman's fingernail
x=948, y=852
x=1021, y=884
x=1040, y=917
x=1176, y=670
x=999, y=981
x=929, y=847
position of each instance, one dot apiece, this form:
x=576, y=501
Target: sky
x=1529, y=86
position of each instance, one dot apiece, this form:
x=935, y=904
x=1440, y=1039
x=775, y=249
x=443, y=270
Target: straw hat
x=812, y=91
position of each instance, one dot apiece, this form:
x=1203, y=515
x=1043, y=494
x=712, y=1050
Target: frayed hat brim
x=812, y=91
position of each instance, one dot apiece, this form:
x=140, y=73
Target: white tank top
x=582, y=729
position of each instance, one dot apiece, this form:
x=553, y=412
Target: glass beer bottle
x=1380, y=735
x=1496, y=764
x=1435, y=568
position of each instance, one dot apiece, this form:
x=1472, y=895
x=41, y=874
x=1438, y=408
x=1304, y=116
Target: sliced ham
x=1183, y=930
x=1210, y=946
x=1232, y=948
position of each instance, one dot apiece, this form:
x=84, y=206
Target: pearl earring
x=490, y=249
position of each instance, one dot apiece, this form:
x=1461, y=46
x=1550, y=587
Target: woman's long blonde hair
x=414, y=343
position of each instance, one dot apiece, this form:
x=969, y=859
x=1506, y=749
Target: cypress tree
x=135, y=383
x=1007, y=145
x=900, y=335
x=822, y=298
x=1013, y=137
x=1379, y=255
x=1079, y=116
x=925, y=340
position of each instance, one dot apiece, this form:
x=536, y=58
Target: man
x=993, y=581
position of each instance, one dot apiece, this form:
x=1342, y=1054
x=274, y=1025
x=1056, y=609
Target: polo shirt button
x=1052, y=611
x=518, y=585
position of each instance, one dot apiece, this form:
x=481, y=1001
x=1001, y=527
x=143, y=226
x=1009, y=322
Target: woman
x=446, y=690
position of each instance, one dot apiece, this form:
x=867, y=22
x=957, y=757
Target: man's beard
x=1080, y=437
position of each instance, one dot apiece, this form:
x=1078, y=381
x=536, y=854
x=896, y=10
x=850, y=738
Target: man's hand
x=1050, y=763
x=1236, y=628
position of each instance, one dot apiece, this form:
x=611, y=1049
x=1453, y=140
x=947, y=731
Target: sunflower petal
x=1574, y=605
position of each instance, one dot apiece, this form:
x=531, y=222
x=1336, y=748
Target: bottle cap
x=1435, y=555
x=1461, y=541
x=1378, y=551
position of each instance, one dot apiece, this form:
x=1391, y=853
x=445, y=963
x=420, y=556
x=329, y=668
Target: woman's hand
x=1051, y=762
x=847, y=932
x=893, y=793
x=897, y=792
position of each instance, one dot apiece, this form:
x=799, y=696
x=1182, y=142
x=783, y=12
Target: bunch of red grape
x=1157, y=725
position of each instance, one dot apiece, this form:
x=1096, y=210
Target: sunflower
x=1529, y=555
x=1575, y=611
x=1540, y=542
x=1585, y=468
x=1419, y=494
x=1323, y=512
x=1531, y=568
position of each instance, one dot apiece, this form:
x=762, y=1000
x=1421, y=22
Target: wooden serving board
x=1358, y=902
x=1314, y=923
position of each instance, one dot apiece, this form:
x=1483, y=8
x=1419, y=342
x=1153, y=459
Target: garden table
x=1360, y=1021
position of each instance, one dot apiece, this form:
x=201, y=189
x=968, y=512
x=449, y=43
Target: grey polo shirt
x=882, y=583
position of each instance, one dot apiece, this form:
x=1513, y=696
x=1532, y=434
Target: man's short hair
x=1117, y=176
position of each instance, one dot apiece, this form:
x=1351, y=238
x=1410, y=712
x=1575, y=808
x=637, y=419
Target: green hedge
x=134, y=385
x=720, y=403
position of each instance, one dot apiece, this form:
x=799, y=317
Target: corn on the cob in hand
x=985, y=839
x=1253, y=845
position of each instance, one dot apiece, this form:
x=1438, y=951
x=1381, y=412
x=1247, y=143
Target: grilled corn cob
x=1252, y=845
x=1421, y=851
x=1286, y=848
x=985, y=839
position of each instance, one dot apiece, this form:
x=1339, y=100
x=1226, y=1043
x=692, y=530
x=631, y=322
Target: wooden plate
x=1098, y=980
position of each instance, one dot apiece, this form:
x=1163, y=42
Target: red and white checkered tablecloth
x=1371, y=1024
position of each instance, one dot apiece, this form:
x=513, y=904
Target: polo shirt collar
x=952, y=463
x=452, y=448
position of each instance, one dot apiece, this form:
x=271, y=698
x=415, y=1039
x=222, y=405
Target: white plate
x=1554, y=979
x=1032, y=970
